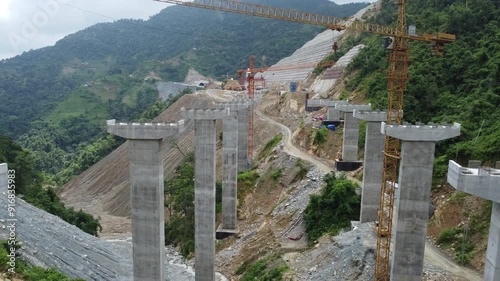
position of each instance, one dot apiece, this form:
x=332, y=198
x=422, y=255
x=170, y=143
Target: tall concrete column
x=4, y=172
x=415, y=182
x=243, y=139
x=229, y=172
x=240, y=107
x=147, y=193
x=482, y=182
x=351, y=131
x=373, y=163
x=204, y=189
x=229, y=168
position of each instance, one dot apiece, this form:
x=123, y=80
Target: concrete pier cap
x=233, y=105
x=351, y=107
x=205, y=114
x=482, y=182
x=430, y=132
x=144, y=130
x=370, y=115
x=325, y=103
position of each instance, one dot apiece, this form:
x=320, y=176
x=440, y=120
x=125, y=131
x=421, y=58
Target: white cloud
x=28, y=24
x=32, y=24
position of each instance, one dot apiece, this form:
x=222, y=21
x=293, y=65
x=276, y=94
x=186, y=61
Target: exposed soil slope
x=103, y=189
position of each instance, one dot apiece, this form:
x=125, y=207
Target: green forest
x=462, y=85
x=29, y=186
x=54, y=101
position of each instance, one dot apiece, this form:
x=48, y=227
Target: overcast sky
x=32, y=24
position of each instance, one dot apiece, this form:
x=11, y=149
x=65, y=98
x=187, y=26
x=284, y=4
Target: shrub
x=321, y=136
x=264, y=270
x=270, y=145
x=333, y=209
x=447, y=236
x=302, y=170
x=276, y=174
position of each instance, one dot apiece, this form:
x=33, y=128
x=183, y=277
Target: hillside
x=177, y=38
x=110, y=70
x=461, y=86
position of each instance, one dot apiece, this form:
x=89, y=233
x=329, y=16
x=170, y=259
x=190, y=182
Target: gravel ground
x=348, y=256
x=296, y=202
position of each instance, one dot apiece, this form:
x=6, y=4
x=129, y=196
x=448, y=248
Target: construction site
x=229, y=130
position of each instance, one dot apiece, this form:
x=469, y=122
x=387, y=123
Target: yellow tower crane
x=397, y=77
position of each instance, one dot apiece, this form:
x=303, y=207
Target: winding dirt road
x=433, y=255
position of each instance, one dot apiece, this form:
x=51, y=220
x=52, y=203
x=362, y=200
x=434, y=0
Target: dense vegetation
x=105, y=55
x=179, y=200
x=28, y=183
x=26, y=271
x=56, y=107
x=461, y=86
x=332, y=210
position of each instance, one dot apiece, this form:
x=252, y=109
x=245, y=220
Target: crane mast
x=251, y=91
x=397, y=80
x=398, y=76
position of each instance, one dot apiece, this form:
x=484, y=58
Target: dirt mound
x=232, y=85
x=103, y=189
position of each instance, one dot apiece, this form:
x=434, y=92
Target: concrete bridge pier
x=4, y=172
x=373, y=163
x=415, y=182
x=230, y=162
x=349, y=160
x=204, y=189
x=145, y=154
x=485, y=183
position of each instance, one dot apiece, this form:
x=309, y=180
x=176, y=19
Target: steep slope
x=304, y=59
x=49, y=241
x=103, y=190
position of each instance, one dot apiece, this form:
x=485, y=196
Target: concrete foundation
x=373, y=163
x=415, y=182
x=482, y=182
x=204, y=189
x=4, y=172
x=147, y=194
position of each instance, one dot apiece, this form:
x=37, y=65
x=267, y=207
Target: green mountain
x=54, y=100
x=461, y=86
x=214, y=43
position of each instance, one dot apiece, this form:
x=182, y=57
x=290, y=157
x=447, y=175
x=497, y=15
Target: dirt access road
x=433, y=255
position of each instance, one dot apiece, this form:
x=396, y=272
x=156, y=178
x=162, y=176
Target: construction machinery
x=397, y=81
